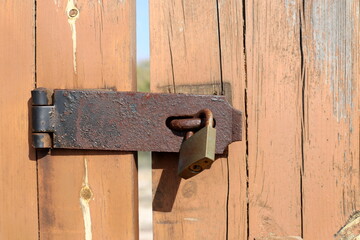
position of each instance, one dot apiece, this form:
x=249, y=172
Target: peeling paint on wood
x=330, y=183
x=291, y=7
x=333, y=28
x=85, y=197
x=73, y=14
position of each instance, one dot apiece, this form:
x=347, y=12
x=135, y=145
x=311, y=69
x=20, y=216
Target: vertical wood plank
x=331, y=140
x=274, y=103
x=87, y=44
x=232, y=29
x=18, y=187
x=185, y=57
x=184, y=38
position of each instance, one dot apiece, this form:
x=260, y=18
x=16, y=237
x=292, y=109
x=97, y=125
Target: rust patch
x=130, y=121
x=41, y=140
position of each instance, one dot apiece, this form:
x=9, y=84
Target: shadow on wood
x=32, y=152
x=169, y=182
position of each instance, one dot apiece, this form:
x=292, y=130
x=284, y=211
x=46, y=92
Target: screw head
x=73, y=12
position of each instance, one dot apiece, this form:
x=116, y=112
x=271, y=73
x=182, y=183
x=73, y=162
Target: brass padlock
x=197, y=152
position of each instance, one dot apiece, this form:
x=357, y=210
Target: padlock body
x=197, y=152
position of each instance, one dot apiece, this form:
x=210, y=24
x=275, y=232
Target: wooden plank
x=331, y=140
x=274, y=108
x=185, y=57
x=231, y=28
x=85, y=195
x=18, y=187
x=184, y=37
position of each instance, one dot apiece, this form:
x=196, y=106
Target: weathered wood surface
x=331, y=116
x=186, y=57
x=293, y=68
x=184, y=53
x=231, y=42
x=18, y=191
x=274, y=109
x=87, y=195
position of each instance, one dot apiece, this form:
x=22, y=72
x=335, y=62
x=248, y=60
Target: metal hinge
x=126, y=121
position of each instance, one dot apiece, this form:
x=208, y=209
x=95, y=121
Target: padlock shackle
x=209, y=117
x=209, y=120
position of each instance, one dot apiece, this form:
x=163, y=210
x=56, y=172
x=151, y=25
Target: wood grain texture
x=274, y=108
x=331, y=140
x=184, y=37
x=298, y=85
x=87, y=195
x=231, y=28
x=185, y=51
x=18, y=190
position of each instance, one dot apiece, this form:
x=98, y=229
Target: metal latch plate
x=124, y=121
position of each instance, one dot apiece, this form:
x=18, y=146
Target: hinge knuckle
x=41, y=140
x=42, y=119
x=41, y=97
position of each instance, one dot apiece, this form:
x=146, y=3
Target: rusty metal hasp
x=126, y=121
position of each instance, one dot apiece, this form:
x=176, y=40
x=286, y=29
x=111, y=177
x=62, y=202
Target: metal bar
x=129, y=121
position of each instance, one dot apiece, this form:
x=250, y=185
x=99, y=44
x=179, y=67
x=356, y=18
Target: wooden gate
x=291, y=66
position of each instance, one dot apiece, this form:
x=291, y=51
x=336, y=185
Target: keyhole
x=196, y=168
